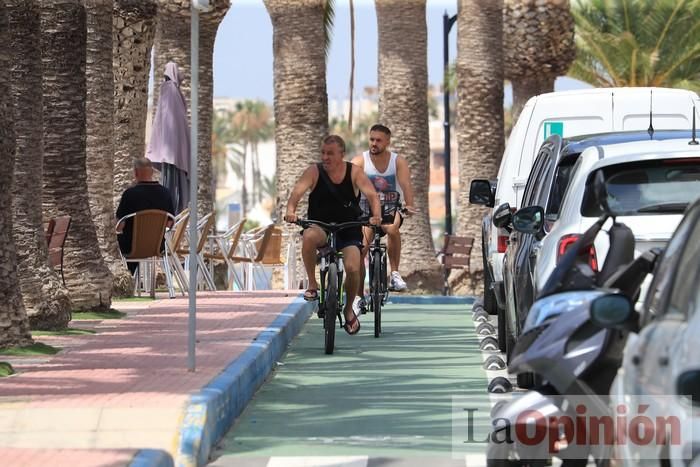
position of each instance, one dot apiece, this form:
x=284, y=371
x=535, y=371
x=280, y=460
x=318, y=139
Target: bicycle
x=330, y=295
x=378, y=290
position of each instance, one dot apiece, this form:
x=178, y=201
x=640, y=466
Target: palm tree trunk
x=479, y=112
x=525, y=87
x=46, y=300
x=301, y=99
x=172, y=43
x=14, y=326
x=63, y=38
x=403, y=107
x=133, y=32
x=99, y=109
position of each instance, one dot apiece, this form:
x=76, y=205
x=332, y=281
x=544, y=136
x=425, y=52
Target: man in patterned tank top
x=388, y=172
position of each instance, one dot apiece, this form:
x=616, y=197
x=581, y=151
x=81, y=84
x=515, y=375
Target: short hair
x=330, y=139
x=142, y=163
x=382, y=128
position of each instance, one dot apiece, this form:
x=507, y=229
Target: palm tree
x=479, y=111
x=251, y=124
x=538, y=44
x=45, y=298
x=99, y=109
x=403, y=107
x=638, y=43
x=63, y=42
x=133, y=32
x=14, y=326
x=301, y=99
x=172, y=43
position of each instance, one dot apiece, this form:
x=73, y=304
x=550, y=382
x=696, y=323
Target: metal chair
x=224, y=249
x=148, y=247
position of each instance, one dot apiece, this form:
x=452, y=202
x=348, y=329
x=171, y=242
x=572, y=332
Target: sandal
x=311, y=295
x=349, y=325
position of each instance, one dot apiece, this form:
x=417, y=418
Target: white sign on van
x=553, y=128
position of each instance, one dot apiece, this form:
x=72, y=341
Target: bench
x=56, y=234
x=456, y=254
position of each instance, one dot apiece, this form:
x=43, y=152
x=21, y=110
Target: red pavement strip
x=136, y=368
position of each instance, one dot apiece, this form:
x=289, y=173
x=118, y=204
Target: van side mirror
x=480, y=193
x=502, y=216
x=529, y=220
x=612, y=311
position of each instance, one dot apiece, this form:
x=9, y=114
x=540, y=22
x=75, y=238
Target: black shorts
x=349, y=237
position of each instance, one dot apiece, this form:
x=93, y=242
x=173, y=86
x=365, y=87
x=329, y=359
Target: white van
x=568, y=113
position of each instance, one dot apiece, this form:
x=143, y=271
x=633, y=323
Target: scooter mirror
x=611, y=311
x=688, y=386
x=529, y=220
x=502, y=216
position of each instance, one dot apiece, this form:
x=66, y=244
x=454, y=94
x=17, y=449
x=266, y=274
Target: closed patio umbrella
x=169, y=146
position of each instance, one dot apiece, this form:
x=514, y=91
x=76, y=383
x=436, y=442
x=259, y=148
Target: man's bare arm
x=403, y=175
x=305, y=183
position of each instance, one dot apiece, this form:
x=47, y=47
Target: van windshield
x=664, y=186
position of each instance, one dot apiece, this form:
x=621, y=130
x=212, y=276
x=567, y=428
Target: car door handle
x=663, y=360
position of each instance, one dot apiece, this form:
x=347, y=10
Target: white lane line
x=318, y=461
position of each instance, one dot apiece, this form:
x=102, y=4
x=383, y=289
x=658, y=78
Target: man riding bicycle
x=335, y=187
x=388, y=172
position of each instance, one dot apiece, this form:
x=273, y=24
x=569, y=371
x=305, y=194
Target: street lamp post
x=196, y=6
x=447, y=23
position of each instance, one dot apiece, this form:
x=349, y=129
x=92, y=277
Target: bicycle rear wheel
x=331, y=303
x=377, y=292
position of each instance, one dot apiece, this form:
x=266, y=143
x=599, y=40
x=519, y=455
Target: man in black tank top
x=337, y=204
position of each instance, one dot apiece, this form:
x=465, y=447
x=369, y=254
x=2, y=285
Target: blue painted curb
x=152, y=458
x=431, y=299
x=212, y=411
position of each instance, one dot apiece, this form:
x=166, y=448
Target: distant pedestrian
x=169, y=146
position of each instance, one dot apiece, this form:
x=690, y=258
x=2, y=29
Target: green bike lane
x=392, y=397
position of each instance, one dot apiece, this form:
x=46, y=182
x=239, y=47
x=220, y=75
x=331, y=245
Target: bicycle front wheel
x=377, y=292
x=331, y=303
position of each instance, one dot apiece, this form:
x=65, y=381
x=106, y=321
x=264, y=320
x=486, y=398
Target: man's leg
x=312, y=239
x=351, y=264
x=366, y=236
x=394, y=252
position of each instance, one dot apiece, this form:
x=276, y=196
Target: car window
x=664, y=279
x=544, y=181
x=561, y=182
x=662, y=186
x=533, y=177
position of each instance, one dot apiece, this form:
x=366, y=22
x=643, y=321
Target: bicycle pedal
x=321, y=313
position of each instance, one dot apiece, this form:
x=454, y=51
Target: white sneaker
x=357, y=306
x=397, y=283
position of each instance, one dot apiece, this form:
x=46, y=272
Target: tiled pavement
x=107, y=395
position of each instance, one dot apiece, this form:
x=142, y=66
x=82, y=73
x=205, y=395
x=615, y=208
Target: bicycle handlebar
x=306, y=223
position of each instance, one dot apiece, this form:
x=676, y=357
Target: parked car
x=545, y=187
x=661, y=364
x=649, y=185
x=567, y=114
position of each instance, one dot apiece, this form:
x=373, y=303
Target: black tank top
x=325, y=207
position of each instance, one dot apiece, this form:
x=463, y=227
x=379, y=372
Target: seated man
x=144, y=194
x=388, y=172
x=335, y=185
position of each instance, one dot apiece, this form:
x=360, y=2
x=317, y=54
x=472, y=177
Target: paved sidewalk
x=108, y=395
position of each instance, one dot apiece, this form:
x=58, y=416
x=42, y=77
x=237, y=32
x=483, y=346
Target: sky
x=243, y=50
